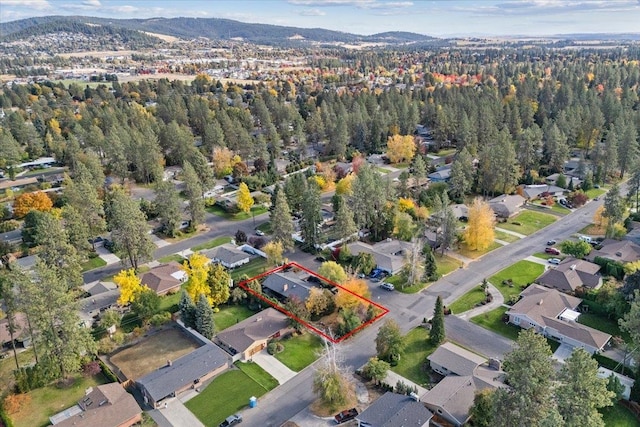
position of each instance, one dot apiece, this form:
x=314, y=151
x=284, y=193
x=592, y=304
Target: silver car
x=387, y=286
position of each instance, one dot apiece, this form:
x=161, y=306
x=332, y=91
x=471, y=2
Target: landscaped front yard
x=529, y=221
x=230, y=315
x=254, y=267
x=465, y=251
x=300, y=351
x=413, y=364
x=93, y=263
x=492, y=320
x=47, y=401
x=521, y=273
x=212, y=243
x=618, y=416
x=509, y=238
x=225, y=395
x=446, y=264
x=259, y=375
x=240, y=216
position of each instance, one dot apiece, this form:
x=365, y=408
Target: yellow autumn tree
x=27, y=202
x=245, y=201
x=599, y=219
x=480, y=232
x=348, y=301
x=198, y=273
x=343, y=187
x=129, y=285
x=318, y=301
x=405, y=204
x=223, y=161
x=274, y=250
x=401, y=148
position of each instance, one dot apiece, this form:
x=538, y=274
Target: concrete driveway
x=273, y=366
x=563, y=353
x=175, y=414
x=107, y=256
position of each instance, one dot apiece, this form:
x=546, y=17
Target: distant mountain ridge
x=212, y=28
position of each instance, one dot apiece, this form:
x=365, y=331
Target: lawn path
x=498, y=300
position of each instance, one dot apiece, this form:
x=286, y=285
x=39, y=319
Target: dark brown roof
x=570, y=274
x=107, y=405
x=160, y=279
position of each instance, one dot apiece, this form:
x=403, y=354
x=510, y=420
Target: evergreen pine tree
x=204, y=317
x=436, y=336
x=430, y=267
x=187, y=310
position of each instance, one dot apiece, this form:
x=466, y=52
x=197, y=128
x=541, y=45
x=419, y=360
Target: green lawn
x=8, y=365
x=50, y=400
x=521, y=273
x=398, y=281
x=174, y=257
x=468, y=300
x=557, y=208
x=92, y=263
x=413, y=364
x=259, y=375
x=601, y=323
x=530, y=222
x=501, y=235
x=225, y=395
x=595, y=192
x=492, y=320
x=230, y=315
x=265, y=227
x=212, y=243
x=446, y=264
x=300, y=351
x=465, y=251
x=446, y=152
x=240, y=216
x=618, y=416
x=252, y=268
x=170, y=302
x=382, y=170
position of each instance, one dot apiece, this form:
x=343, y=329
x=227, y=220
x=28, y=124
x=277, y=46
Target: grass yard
x=170, y=302
x=212, y=243
x=174, y=257
x=230, y=315
x=446, y=264
x=93, y=263
x=398, y=281
x=252, y=268
x=382, y=170
x=465, y=251
x=265, y=227
x=595, y=192
x=492, y=320
x=300, y=351
x=225, y=395
x=50, y=400
x=603, y=324
x=592, y=230
x=240, y=216
x=259, y=375
x=468, y=300
x=413, y=364
x=618, y=416
x=529, y=221
x=521, y=273
x=501, y=235
x=8, y=365
x=153, y=352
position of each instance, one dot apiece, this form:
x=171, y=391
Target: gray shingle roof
x=287, y=285
x=183, y=371
x=538, y=302
x=226, y=254
x=456, y=359
x=394, y=410
x=570, y=274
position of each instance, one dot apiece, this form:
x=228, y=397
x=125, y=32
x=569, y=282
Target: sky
x=435, y=18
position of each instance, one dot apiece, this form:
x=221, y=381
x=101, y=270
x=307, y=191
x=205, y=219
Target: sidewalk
x=463, y=259
x=273, y=366
x=538, y=260
x=498, y=301
x=513, y=233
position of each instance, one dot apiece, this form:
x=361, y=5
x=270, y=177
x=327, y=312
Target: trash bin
x=253, y=402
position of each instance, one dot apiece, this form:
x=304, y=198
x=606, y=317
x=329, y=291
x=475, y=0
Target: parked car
x=346, y=415
x=551, y=242
x=552, y=251
x=259, y=233
x=554, y=261
x=387, y=286
x=231, y=420
x=585, y=239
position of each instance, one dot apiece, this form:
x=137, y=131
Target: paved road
x=476, y=338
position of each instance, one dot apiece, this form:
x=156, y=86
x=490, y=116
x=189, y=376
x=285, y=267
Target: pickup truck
x=231, y=420
x=346, y=415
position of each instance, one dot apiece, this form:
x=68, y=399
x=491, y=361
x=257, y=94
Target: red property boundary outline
x=307, y=325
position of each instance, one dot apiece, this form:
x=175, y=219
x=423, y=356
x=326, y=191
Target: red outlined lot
x=243, y=285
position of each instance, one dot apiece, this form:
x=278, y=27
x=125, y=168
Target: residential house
x=633, y=235
x=342, y=169
x=101, y=296
x=533, y=192
x=506, y=206
x=570, y=275
x=442, y=174
x=228, y=255
x=389, y=254
x=21, y=336
x=18, y=184
x=250, y=336
x=392, y=410
x=616, y=250
x=165, y=278
x=182, y=374
x=466, y=373
x=461, y=211
x=285, y=284
x=553, y=314
x=553, y=178
x=106, y=405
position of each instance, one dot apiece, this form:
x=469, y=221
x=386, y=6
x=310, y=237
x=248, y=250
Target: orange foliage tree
x=346, y=300
x=28, y=202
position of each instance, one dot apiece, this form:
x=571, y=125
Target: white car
x=259, y=233
x=554, y=261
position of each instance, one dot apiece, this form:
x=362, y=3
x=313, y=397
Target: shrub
x=31, y=378
x=91, y=368
x=515, y=223
x=9, y=225
x=274, y=348
x=108, y=373
x=160, y=318
x=14, y=402
x=106, y=346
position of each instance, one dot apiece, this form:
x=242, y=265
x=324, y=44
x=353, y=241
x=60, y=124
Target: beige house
x=250, y=336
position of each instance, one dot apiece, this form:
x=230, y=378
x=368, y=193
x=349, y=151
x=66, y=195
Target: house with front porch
x=554, y=314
